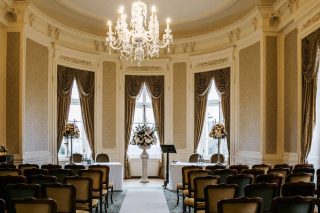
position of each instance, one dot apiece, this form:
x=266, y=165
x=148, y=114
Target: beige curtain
x=64, y=89
x=133, y=85
x=202, y=85
x=310, y=66
x=155, y=85
x=85, y=82
x=222, y=82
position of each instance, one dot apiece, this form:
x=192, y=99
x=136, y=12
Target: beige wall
x=2, y=87
x=271, y=95
x=290, y=92
x=249, y=120
x=13, y=125
x=180, y=105
x=36, y=97
x=109, y=101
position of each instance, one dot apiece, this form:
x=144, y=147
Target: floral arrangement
x=144, y=135
x=3, y=148
x=218, y=132
x=71, y=130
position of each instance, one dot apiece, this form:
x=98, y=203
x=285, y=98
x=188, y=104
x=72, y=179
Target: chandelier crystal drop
x=138, y=42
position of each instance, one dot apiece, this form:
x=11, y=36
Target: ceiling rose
x=140, y=40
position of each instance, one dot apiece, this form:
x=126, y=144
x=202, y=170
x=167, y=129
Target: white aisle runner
x=144, y=201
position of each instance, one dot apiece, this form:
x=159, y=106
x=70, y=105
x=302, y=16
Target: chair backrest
x=105, y=172
x=301, y=188
x=254, y=172
x=28, y=166
x=7, y=166
x=264, y=167
x=75, y=168
x=283, y=172
x=283, y=166
x=102, y=158
x=214, y=193
x=193, y=158
x=299, y=177
x=241, y=180
x=51, y=166
x=31, y=205
x=193, y=175
x=303, y=165
x=12, y=172
x=304, y=170
x=267, y=191
x=22, y=190
x=2, y=206
x=34, y=171
x=96, y=176
x=215, y=167
x=60, y=174
x=242, y=205
x=185, y=171
x=64, y=195
x=224, y=173
x=42, y=179
x=83, y=187
x=270, y=178
x=239, y=167
x=200, y=183
x=214, y=158
x=4, y=180
x=295, y=204
x=76, y=158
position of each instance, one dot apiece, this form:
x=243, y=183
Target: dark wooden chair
x=7, y=166
x=60, y=174
x=264, y=167
x=224, y=173
x=239, y=167
x=295, y=204
x=304, y=165
x=301, y=188
x=270, y=178
x=34, y=171
x=283, y=166
x=51, y=166
x=102, y=158
x=242, y=204
x=241, y=180
x=42, y=179
x=10, y=171
x=299, y=177
x=75, y=168
x=35, y=205
x=193, y=158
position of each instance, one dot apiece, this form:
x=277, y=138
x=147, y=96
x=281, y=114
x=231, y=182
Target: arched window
x=144, y=113
x=209, y=146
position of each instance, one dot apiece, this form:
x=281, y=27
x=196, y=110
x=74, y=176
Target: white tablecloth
x=175, y=172
x=115, y=175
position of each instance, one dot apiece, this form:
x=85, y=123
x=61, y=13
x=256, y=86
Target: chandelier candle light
x=138, y=42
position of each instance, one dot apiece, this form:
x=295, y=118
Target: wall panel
x=180, y=105
x=13, y=125
x=36, y=98
x=290, y=92
x=109, y=101
x=271, y=94
x=249, y=128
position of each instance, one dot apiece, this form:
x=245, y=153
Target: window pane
x=213, y=95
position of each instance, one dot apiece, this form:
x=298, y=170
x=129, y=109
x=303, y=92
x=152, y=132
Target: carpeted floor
x=170, y=197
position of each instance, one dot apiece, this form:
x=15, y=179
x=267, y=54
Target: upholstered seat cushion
x=201, y=211
x=110, y=185
x=85, y=206
x=81, y=211
x=96, y=194
x=186, y=193
x=190, y=202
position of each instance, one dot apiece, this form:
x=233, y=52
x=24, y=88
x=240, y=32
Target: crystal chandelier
x=137, y=43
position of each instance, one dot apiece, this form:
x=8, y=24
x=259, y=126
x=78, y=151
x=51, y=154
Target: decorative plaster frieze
x=76, y=60
x=292, y=4
x=54, y=32
x=211, y=63
x=144, y=68
x=254, y=22
x=32, y=18
x=234, y=35
x=311, y=21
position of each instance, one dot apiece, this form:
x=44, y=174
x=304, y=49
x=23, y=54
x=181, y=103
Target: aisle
x=144, y=200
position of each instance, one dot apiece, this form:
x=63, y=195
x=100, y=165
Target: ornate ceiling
x=189, y=17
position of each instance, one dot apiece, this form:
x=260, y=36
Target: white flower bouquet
x=3, y=148
x=218, y=132
x=71, y=130
x=144, y=135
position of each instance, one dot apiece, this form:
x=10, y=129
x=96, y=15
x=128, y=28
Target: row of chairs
x=100, y=158
x=204, y=190
x=98, y=173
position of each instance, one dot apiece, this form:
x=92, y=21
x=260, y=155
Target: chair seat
x=96, y=194
x=190, y=202
x=180, y=186
x=81, y=211
x=110, y=185
x=186, y=193
x=85, y=206
x=201, y=211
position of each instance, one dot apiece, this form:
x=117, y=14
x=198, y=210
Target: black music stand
x=167, y=149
